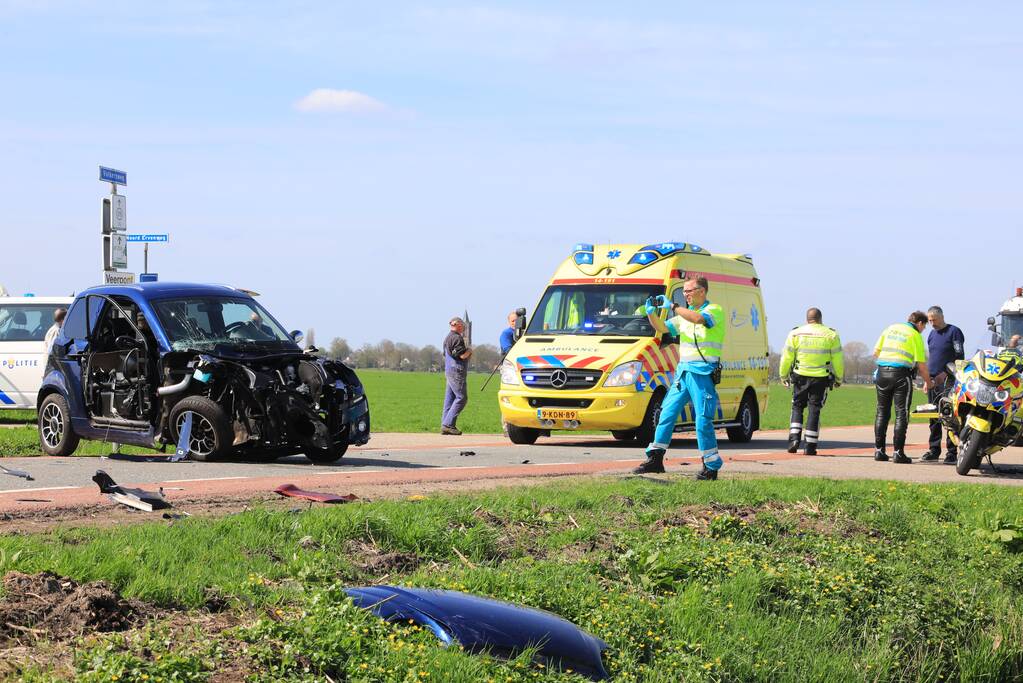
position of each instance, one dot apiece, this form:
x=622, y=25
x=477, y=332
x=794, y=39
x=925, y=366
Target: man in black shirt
x=456, y=361
x=944, y=345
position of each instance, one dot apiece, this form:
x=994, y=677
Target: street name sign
x=112, y=175
x=111, y=277
x=146, y=237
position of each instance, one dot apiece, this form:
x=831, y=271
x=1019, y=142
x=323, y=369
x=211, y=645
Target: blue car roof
x=163, y=290
x=487, y=625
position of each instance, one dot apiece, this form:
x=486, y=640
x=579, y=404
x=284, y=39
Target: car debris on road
x=140, y=499
x=17, y=473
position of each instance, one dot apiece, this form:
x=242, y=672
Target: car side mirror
x=990, y=321
x=297, y=336
x=126, y=343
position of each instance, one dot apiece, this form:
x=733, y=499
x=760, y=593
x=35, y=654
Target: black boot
x=901, y=458
x=950, y=457
x=811, y=449
x=793, y=445
x=707, y=475
x=654, y=463
x=880, y=455
x=930, y=456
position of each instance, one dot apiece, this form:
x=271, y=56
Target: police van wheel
x=55, y=434
x=645, y=432
x=624, y=434
x=523, y=435
x=747, y=419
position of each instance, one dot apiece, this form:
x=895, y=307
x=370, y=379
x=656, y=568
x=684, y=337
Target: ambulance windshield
x=1012, y=324
x=616, y=309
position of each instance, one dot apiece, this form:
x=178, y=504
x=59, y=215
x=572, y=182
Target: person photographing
x=700, y=328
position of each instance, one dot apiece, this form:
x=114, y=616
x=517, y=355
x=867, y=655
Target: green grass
x=412, y=401
x=743, y=580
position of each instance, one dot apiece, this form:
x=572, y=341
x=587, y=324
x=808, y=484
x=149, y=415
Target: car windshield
x=210, y=321
x=594, y=309
x=25, y=322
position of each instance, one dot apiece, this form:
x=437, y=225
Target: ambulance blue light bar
x=582, y=247
x=584, y=258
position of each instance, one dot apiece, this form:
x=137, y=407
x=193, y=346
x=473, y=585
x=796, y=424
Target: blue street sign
x=137, y=237
x=112, y=175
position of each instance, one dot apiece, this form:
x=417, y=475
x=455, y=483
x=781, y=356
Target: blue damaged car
x=140, y=364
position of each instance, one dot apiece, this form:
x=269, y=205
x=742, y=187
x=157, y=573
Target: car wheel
x=646, y=431
x=623, y=434
x=211, y=429
x=747, y=419
x=523, y=435
x=323, y=456
x=55, y=434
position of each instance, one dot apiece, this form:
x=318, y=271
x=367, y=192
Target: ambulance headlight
x=972, y=385
x=624, y=375
x=985, y=395
x=509, y=375
x=1001, y=395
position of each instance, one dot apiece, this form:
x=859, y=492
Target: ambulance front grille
x=560, y=378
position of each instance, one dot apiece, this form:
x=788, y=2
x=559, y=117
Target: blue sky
x=869, y=155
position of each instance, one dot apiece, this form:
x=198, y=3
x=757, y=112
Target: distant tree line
x=859, y=363
x=389, y=355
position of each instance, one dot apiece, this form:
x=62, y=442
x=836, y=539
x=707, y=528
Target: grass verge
x=751, y=580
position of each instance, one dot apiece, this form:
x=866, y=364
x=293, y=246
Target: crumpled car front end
x=264, y=406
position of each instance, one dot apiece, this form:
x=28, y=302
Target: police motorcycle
x=983, y=407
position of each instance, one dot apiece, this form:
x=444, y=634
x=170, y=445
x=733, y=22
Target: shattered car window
x=209, y=321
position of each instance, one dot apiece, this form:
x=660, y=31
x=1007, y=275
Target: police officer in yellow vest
x=812, y=362
x=900, y=353
x=700, y=328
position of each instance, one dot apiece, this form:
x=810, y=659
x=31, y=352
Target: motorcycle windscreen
x=487, y=625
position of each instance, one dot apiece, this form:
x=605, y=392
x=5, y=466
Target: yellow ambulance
x=590, y=360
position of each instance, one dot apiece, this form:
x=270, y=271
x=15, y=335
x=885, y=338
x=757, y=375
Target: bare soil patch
x=51, y=607
x=803, y=516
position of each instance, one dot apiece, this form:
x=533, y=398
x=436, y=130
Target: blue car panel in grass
x=487, y=625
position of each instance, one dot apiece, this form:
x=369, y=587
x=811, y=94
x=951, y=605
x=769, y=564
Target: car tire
x=214, y=438
x=56, y=437
x=748, y=418
x=624, y=434
x=325, y=456
x=646, y=431
x=523, y=436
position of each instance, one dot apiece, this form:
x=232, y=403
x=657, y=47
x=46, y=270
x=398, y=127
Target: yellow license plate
x=551, y=414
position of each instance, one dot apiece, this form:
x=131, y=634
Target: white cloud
x=345, y=101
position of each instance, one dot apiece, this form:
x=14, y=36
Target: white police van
x=24, y=321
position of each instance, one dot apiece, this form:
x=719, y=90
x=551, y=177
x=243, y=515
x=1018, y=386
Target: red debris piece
x=293, y=491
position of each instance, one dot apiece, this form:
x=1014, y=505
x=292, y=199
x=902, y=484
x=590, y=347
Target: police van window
x=25, y=322
x=594, y=309
x=74, y=323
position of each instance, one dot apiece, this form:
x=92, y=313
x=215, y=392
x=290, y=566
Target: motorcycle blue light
x=584, y=258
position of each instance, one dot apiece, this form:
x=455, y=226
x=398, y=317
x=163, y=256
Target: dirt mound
x=53, y=607
x=374, y=562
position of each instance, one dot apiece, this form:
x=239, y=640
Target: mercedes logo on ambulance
x=559, y=378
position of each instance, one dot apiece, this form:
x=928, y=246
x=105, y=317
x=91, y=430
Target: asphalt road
x=410, y=458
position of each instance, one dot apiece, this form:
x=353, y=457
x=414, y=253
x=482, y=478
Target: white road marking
x=182, y=481
x=47, y=488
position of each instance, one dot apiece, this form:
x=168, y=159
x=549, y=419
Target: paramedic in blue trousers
x=700, y=329
x=456, y=362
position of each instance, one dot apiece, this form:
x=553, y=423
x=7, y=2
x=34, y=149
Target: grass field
x=411, y=402
x=755, y=580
